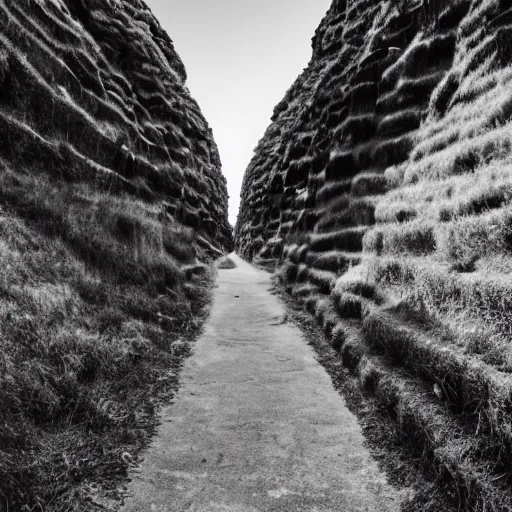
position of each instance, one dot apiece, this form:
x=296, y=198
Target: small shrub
x=413, y=238
x=358, y=213
x=226, y=263
x=445, y=214
x=486, y=199
x=323, y=279
x=288, y=272
x=356, y=287
x=471, y=236
x=369, y=184
x=350, y=306
x=369, y=376
x=195, y=271
x=299, y=292
x=110, y=319
x=351, y=354
x=349, y=239
x=332, y=190
x=321, y=307
x=311, y=303
x=466, y=162
x=329, y=321
x=465, y=265
x=391, y=271
x=405, y=214
x=333, y=261
x=338, y=337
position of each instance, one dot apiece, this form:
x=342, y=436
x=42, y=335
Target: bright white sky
x=241, y=57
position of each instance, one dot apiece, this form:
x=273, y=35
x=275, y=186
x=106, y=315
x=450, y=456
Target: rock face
x=93, y=91
x=382, y=188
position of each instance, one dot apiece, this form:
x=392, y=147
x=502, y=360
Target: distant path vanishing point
x=257, y=425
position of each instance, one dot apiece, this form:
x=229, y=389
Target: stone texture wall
x=93, y=91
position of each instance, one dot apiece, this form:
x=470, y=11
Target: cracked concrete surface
x=257, y=425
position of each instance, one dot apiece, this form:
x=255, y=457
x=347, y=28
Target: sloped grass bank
x=402, y=462
x=99, y=299
x=448, y=405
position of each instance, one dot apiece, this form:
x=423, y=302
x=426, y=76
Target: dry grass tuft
x=426, y=199
x=94, y=308
x=338, y=337
x=226, y=263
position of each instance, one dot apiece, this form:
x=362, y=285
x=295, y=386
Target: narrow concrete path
x=257, y=425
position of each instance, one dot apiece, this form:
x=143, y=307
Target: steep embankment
x=383, y=187
x=111, y=196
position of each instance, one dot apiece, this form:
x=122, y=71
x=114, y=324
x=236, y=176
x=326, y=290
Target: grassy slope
x=404, y=466
x=451, y=258
x=95, y=317
x=419, y=305
x=104, y=220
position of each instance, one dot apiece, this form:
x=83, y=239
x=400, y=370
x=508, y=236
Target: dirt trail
x=257, y=425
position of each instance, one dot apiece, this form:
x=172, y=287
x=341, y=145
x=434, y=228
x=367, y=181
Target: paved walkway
x=257, y=425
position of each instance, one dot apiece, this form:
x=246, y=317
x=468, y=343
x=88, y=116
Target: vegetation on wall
x=112, y=203
x=390, y=161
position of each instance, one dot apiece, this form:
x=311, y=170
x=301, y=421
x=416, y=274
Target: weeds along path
x=257, y=424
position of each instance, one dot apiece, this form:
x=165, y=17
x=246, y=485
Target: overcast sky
x=241, y=56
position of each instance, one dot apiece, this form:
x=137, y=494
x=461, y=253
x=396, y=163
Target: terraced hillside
x=111, y=201
x=383, y=190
